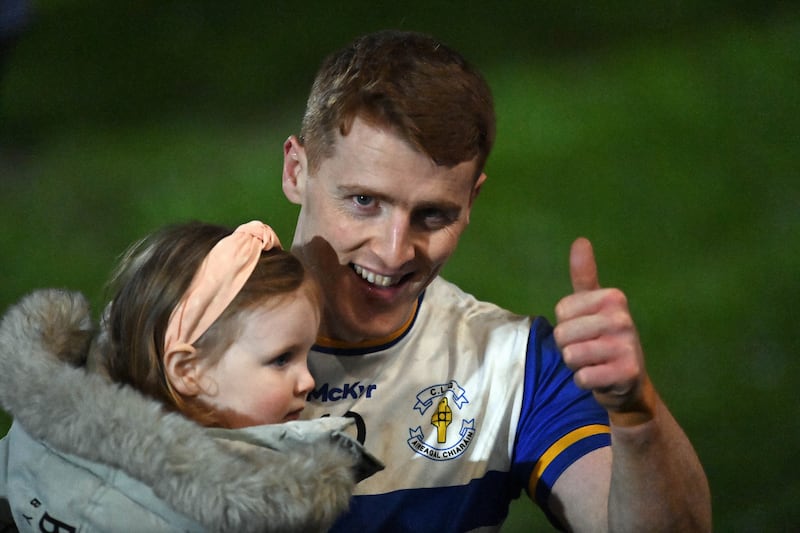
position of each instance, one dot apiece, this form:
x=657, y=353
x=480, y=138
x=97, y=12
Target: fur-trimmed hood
x=288, y=477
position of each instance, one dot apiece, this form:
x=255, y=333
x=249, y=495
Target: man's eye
x=363, y=200
x=433, y=219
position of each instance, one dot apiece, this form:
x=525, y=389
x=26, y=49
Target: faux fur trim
x=222, y=486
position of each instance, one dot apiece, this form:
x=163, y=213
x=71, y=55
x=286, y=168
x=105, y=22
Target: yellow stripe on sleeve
x=559, y=446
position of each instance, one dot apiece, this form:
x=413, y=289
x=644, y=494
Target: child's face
x=263, y=378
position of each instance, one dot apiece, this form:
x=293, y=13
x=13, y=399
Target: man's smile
x=375, y=278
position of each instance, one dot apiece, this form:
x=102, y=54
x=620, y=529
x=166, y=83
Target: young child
x=207, y=328
x=237, y=314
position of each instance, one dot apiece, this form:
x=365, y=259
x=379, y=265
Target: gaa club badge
x=443, y=433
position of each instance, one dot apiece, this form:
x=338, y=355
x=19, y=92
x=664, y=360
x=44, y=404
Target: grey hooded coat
x=85, y=454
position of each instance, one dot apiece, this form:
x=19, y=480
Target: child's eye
x=281, y=360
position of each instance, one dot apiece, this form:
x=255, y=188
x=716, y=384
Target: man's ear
x=476, y=189
x=295, y=167
x=182, y=369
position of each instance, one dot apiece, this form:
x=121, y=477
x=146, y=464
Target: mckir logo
x=448, y=433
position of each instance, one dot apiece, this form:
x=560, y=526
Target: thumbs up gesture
x=600, y=344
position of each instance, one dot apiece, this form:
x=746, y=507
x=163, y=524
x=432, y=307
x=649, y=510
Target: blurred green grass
x=667, y=133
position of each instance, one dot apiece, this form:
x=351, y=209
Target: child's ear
x=182, y=370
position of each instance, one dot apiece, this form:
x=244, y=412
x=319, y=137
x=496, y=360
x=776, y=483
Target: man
x=467, y=404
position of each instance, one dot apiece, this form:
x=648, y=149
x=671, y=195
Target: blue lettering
x=350, y=390
x=353, y=391
x=316, y=394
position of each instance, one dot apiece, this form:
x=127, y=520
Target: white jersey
x=462, y=419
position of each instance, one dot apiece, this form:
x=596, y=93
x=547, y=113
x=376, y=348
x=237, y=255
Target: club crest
x=446, y=434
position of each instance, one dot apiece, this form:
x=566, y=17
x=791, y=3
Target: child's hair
x=152, y=277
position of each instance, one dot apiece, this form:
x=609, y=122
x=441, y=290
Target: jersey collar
x=337, y=347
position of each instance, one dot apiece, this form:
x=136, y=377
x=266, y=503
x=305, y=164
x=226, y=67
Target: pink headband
x=221, y=276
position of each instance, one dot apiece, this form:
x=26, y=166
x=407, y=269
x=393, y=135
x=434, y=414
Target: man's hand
x=651, y=478
x=599, y=342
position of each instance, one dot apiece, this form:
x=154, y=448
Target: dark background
x=667, y=132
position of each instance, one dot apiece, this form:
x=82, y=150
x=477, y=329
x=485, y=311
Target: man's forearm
x=657, y=481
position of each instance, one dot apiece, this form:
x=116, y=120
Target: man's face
x=377, y=222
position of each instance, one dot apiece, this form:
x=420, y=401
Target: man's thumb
x=582, y=266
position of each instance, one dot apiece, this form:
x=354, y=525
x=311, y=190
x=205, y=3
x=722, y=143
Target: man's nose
x=396, y=241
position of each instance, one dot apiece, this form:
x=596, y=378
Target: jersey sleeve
x=559, y=422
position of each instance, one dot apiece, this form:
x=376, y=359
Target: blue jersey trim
x=483, y=502
x=557, y=466
x=552, y=406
